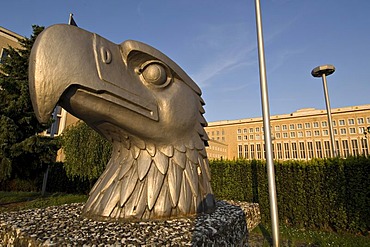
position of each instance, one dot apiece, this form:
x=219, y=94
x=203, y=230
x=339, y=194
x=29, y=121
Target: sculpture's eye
x=155, y=73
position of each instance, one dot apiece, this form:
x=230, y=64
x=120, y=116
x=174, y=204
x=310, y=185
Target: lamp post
x=323, y=71
x=267, y=130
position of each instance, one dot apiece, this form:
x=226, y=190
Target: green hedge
x=317, y=194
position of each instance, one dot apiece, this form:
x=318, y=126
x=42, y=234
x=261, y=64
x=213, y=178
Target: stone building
x=303, y=134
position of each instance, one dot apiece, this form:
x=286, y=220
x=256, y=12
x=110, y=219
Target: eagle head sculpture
x=141, y=101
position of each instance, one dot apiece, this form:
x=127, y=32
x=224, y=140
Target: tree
x=24, y=154
x=86, y=152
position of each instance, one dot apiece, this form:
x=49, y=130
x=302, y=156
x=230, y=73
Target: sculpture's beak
x=65, y=56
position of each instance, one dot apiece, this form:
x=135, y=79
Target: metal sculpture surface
x=141, y=101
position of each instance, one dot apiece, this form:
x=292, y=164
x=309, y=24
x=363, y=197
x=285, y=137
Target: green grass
x=13, y=201
x=304, y=237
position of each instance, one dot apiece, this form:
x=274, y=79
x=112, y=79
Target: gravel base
x=64, y=226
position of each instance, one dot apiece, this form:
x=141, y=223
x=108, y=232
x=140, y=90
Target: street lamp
x=323, y=71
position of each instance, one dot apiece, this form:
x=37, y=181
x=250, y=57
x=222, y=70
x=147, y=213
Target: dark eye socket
x=155, y=73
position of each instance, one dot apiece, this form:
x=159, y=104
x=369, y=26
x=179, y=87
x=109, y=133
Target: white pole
x=267, y=130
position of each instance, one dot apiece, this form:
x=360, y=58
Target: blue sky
x=215, y=43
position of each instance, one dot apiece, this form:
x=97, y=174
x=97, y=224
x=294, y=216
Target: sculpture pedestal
x=64, y=224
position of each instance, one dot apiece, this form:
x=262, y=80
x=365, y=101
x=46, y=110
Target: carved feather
x=128, y=184
x=144, y=161
x=174, y=182
x=161, y=162
x=179, y=158
x=155, y=181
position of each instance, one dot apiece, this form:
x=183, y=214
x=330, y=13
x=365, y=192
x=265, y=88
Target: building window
x=318, y=150
x=277, y=128
x=300, y=133
x=309, y=150
x=258, y=137
x=334, y=123
x=324, y=124
x=335, y=132
x=294, y=150
x=257, y=129
x=327, y=148
x=307, y=125
x=352, y=130
x=351, y=121
x=240, y=151
x=345, y=148
x=360, y=120
x=252, y=151
x=337, y=148
x=292, y=134
x=354, y=147
x=325, y=132
x=302, y=150
x=245, y=131
x=368, y=120
x=245, y=137
x=217, y=132
x=285, y=135
x=365, y=150
x=316, y=132
x=250, y=137
x=239, y=131
x=251, y=130
x=279, y=151
x=277, y=135
x=341, y=122
x=56, y=124
x=3, y=55
x=316, y=124
x=259, y=153
x=343, y=131
x=284, y=127
x=308, y=134
x=361, y=130
x=286, y=150
x=299, y=126
x=239, y=138
x=246, y=152
x=291, y=126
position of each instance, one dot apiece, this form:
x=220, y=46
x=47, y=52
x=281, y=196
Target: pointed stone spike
x=179, y=158
x=191, y=175
x=143, y=164
x=151, y=149
x=106, y=195
x=135, y=206
x=137, y=142
x=126, y=165
x=201, y=100
x=167, y=150
x=180, y=147
x=174, y=182
x=192, y=155
x=112, y=201
x=202, y=153
x=161, y=162
x=190, y=145
x=112, y=173
x=155, y=182
x=185, y=198
x=135, y=151
x=163, y=207
x=206, y=167
x=199, y=144
x=128, y=184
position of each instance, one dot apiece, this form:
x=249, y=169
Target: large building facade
x=303, y=134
